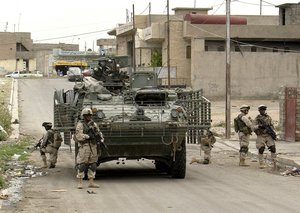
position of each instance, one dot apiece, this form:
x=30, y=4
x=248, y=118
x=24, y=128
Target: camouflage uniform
x=245, y=127
x=206, y=145
x=87, y=134
x=87, y=152
x=47, y=146
x=263, y=138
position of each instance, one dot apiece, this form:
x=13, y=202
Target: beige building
x=265, y=50
x=18, y=52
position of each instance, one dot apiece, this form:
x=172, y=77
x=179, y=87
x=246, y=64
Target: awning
x=70, y=63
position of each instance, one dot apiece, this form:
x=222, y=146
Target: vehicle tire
x=179, y=165
x=161, y=166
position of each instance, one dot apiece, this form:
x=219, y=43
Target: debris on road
x=293, y=172
x=3, y=196
x=58, y=190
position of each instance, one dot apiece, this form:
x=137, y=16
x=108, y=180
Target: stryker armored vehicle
x=138, y=118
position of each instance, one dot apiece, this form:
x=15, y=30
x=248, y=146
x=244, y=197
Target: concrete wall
x=253, y=75
x=178, y=52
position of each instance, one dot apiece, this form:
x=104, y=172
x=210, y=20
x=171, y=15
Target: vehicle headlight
x=174, y=113
x=100, y=114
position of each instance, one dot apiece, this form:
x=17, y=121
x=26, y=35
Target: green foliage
x=2, y=181
x=8, y=150
x=5, y=117
x=156, y=58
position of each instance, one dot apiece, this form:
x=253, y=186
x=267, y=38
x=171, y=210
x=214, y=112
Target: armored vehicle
x=138, y=118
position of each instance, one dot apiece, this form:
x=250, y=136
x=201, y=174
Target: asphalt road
x=136, y=187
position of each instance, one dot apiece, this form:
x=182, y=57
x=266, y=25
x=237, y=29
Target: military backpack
x=55, y=138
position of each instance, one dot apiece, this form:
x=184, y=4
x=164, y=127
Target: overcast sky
x=83, y=22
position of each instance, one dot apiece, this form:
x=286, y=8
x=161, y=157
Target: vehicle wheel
x=179, y=165
x=161, y=166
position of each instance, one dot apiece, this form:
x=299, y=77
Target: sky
x=83, y=22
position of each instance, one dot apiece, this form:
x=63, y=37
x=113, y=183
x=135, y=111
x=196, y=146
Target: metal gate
x=199, y=114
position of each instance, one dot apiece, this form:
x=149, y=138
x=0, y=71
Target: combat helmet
x=262, y=107
x=244, y=107
x=47, y=124
x=86, y=111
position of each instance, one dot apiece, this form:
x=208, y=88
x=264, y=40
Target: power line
x=74, y=35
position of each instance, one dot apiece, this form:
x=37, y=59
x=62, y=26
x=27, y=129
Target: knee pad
x=261, y=150
x=93, y=167
x=81, y=167
x=244, y=149
x=272, y=149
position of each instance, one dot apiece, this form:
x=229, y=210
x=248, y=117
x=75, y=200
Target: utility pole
x=228, y=65
x=168, y=49
x=260, y=7
x=149, y=24
x=133, y=40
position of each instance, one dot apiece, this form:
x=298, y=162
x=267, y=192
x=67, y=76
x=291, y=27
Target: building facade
x=16, y=51
x=265, y=50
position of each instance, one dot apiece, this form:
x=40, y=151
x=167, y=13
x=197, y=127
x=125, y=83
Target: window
x=188, y=51
x=221, y=48
x=253, y=49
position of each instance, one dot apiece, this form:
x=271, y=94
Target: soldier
x=244, y=127
x=206, y=145
x=266, y=136
x=47, y=146
x=87, y=135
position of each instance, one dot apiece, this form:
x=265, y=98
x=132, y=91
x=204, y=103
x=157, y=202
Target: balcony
x=155, y=33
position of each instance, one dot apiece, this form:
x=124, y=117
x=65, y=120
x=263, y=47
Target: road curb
x=13, y=108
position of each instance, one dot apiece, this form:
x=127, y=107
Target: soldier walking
x=87, y=134
x=244, y=127
x=47, y=146
x=266, y=136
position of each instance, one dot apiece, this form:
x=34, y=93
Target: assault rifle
x=37, y=145
x=267, y=128
x=98, y=138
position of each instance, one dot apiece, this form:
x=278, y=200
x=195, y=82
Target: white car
x=22, y=74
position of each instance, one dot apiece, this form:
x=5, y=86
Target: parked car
x=74, y=74
x=24, y=74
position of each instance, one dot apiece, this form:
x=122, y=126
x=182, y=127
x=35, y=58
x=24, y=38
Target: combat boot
x=274, y=165
x=92, y=184
x=242, y=162
x=52, y=166
x=79, y=186
x=206, y=161
x=262, y=165
x=45, y=163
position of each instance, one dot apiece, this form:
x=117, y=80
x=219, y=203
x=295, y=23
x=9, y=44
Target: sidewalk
x=288, y=153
